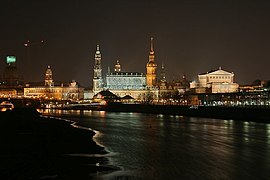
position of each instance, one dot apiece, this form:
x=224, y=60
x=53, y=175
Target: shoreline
x=254, y=114
x=37, y=147
x=245, y=113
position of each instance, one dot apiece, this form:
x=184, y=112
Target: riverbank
x=35, y=147
x=252, y=113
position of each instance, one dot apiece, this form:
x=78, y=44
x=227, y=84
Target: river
x=151, y=146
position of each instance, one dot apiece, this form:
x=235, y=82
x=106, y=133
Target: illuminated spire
x=98, y=58
x=151, y=67
x=152, y=46
x=97, y=79
x=97, y=51
x=109, y=70
x=152, y=53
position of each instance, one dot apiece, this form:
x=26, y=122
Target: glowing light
x=11, y=59
x=102, y=113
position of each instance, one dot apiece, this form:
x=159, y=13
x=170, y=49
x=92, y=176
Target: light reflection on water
x=172, y=147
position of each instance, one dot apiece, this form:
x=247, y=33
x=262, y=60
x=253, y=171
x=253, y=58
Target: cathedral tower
x=151, y=68
x=97, y=79
x=48, y=77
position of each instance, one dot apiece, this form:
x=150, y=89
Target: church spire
x=97, y=51
x=152, y=46
x=97, y=79
x=152, y=52
x=151, y=67
x=97, y=61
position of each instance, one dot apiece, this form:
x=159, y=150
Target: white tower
x=97, y=79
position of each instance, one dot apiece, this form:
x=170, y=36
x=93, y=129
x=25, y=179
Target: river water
x=150, y=146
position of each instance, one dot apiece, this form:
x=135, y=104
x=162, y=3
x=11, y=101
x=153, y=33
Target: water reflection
x=172, y=147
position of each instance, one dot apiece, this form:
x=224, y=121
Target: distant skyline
x=190, y=37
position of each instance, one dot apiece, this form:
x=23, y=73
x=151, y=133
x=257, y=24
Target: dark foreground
x=34, y=147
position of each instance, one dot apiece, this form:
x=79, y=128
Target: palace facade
x=215, y=81
x=50, y=90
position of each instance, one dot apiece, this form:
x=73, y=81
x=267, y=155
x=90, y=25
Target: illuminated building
x=11, y=77
x=125, y=80
x=50, y=90
x=122, y=84
x=215, y=81
x=168, y=90
x=97, y=79
x=126, y=83
x=48, y=77
x=12, y=83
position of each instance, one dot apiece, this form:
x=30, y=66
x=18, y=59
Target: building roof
x=106, y=94
x=127, y=97
x=56, y=84
x=217, y=71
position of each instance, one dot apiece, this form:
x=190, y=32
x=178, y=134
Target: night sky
x=190, y=36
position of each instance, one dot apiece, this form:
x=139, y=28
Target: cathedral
x=138, y=85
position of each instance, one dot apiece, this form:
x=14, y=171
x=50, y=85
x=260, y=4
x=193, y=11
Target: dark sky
x=190, y=36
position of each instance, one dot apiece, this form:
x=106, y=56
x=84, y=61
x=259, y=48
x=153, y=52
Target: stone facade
x=125, y=80
x=215, y=81
x=48, y=89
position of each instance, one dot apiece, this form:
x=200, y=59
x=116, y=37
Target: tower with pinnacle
x=162, y=74
x=162, y=82
x=97, y=79
x=117, y=66
x=49, y=77
x=151, y=68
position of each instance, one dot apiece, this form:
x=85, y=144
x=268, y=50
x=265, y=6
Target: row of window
x=220, y=77
x=56, y=90
x=125, y=87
